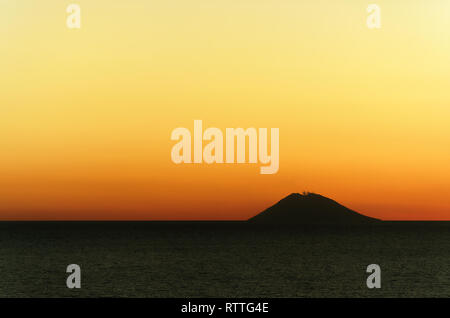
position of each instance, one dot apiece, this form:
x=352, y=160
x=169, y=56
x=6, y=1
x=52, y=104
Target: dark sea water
x=151, y=259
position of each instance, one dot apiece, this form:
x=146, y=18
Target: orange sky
x=86, y=115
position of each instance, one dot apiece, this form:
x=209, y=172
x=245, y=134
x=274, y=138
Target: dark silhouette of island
x=309, y=209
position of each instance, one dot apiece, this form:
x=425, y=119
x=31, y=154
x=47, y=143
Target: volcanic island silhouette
x=309, y=209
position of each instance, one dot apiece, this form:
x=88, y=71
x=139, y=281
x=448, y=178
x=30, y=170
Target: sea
x=223, y=259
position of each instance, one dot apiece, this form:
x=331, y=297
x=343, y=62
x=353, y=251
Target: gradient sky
x=86, y=115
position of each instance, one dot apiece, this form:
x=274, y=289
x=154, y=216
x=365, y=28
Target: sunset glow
x=86, y=115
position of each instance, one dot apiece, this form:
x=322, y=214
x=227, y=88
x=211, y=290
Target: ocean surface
x=206, y=259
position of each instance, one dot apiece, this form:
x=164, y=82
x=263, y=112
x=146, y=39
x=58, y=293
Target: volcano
x=309, y=209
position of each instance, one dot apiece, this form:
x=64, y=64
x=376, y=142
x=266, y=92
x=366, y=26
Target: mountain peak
x=304, y=194
x=309, y=208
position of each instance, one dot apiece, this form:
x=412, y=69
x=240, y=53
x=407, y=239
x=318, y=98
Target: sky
x=86, y=114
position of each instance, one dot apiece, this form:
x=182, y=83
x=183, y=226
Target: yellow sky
x=86, y=115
